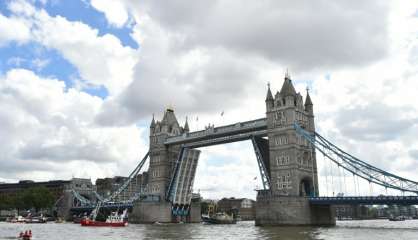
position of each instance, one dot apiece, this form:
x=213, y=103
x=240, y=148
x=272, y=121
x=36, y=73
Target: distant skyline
x=80, y=80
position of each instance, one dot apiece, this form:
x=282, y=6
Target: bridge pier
x=151, y=212
x=286, y=210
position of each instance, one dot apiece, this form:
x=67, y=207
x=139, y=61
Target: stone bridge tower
x=293, y=169
x=155, y=206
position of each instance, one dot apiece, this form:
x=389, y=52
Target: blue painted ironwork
x=369, y=200
x=82, y=200
x=265, y=179
x=355, y=165
x=131, y=176
x=110, y=202
x=171, y=190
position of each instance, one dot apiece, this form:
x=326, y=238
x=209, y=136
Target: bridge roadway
x=110, y=206
x=350, y=200
x=367, y=200
x=219, y=135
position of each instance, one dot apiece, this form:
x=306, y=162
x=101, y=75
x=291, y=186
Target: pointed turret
x=269, y=98
x=287, y=88
x=152, y=122
x=169, y=123
x=309, y=109
x=186, y=126
x=152, y=126
x=308, y=101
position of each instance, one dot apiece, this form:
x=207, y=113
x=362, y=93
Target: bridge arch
x=306, y=187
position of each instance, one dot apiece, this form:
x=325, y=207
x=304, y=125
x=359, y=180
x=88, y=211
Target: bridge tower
x=293, y=169
x=155, y=205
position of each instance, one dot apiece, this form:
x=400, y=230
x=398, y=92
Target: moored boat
x=113, y=220
x=219, y=218
x=397, y=218
x=16, y=219
x=39, y=219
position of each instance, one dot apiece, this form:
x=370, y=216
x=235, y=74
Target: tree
x=38, y=198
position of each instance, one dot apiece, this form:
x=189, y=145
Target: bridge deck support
x=286, y=210
x=151, y=212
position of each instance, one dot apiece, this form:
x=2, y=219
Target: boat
x=27, y=235
x=219, y=218
x=16, y=219
x=39, y=219
x=397, y=218
x=113, y=220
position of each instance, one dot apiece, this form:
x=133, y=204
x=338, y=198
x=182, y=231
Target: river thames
x=347, y=230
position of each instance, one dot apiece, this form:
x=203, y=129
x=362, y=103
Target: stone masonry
x=293, y=169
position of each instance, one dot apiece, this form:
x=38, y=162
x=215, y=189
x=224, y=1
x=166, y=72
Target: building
x=59, y=188
x=344, y=212
x=56, y=187
x=106, y=186
x=243, y=207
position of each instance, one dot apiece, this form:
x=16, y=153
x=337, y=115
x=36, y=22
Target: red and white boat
x=113, y=220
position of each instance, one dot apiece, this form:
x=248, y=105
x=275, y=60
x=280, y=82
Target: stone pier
x=284, y=210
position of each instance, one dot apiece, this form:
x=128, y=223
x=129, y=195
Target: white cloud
x=100, y=60
x=13, y=29
x=48, y=132
x=114, y=10
x=39, y=64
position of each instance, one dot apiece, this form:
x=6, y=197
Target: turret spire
x=153, y=121
x=186, y=126
x=308, y=101
x=287, y=87
x=269, y=96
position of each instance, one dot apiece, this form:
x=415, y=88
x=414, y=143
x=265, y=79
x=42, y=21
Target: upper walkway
x=219, y=135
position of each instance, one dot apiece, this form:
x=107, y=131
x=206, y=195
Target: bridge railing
x=240, y=126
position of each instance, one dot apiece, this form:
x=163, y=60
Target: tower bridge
x=285, y=144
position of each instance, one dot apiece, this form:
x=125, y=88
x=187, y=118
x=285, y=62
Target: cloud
x=209, y=56
x=114, y=10
x=46, y=128
x=300, y=34
x=13, y=29
x=39, y=64
x=197, y=82
x=100, y=60
x=375, y=122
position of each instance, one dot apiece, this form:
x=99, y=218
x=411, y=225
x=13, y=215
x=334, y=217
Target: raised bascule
x=285, y=144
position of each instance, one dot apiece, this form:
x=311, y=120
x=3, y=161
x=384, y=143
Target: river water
x=347, y=230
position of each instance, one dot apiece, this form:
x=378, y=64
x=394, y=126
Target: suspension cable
x=312, y=169
x=354, y=184
x=326, y=174
x=332, y=178
x=340, y=180
x=345, y=185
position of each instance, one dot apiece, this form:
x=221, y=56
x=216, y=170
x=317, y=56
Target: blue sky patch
x=44, y=62
x=83, y=12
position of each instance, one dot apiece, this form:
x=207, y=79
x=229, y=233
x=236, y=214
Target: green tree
x=38, y=198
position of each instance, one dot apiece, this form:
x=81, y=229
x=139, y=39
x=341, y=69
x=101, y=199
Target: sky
x=80, y=80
